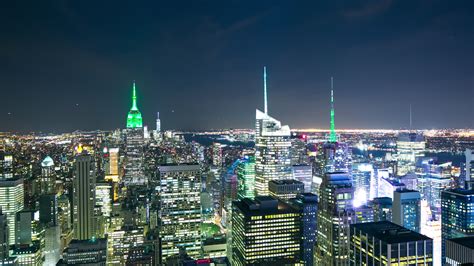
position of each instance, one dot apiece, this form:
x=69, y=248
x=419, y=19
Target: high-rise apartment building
x=180, y=210
x=84, y=197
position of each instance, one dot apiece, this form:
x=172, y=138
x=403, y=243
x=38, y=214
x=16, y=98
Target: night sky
x=67, y=65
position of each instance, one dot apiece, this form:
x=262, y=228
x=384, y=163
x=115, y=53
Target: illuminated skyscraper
x=333, y=156
x=469, y=168
x=134, y=173
x=180, y=210
x=246, y=178
x=4, y=247
x=84, y=197
x=457, y=215
x=134, y=117
x=265, y=231
x=304, y=174
x=112, y=173
x=410, y=146
x=406, y=209
x=307, y=203
x=272, y=148
x=217, y=154
x=158, y=122
x=11, y=202
x=386, y=243
x=47, y=178
x=335, y=214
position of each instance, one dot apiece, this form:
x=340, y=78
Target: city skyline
x=205, y=72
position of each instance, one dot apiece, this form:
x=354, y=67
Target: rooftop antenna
x=332, y=133
x=410, y=118
x=265, y=89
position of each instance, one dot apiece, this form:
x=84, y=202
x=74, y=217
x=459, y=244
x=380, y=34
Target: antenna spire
x=134, y=97
x=332, y=133
x=411, y=122
x=265, y=89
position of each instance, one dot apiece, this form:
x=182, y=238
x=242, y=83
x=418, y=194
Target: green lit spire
x=134, y=117
x=332, y=133
x=134, y=98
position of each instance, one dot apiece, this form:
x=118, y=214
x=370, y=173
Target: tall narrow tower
x=272, y=147
x=332, y=134
x=265, y=89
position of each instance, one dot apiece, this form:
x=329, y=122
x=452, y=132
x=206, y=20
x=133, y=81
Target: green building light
x=134, y=117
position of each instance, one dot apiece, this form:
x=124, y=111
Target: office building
x=48, y=209
x=304, y=174
x=47, y=179
x=265, y=231
x=410, y=146
x=460, y=251
x=335, y=214
x=88, y=252
x=112, y=172
x=31, y=255
x=382, y=209
x=180, y=210
x=333, y=155
x=246, y=178
x=307, y=204
x=285, y=189
x=134, y=117
x=24, y=230
x=469, y=171
x=272, y=148
x=362, y=175
x=4, y=240
x=158, y=123
x=134, y=142
x=299, y=154
x=406, y=209
x=386, y=243
x=84, y=197
x=11, y=202
x=217, y=154
x=457, y=216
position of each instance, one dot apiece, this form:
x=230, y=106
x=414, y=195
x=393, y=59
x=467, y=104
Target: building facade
x=386, y=243
x=265, y=231
x=180, y=210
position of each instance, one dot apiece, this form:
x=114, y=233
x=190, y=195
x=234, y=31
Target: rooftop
x=263, y=205
x=286, y=182
x=464, y=241
x=389, y=232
